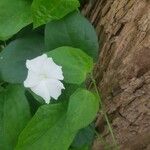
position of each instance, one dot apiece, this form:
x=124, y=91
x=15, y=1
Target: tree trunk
x=123, y=69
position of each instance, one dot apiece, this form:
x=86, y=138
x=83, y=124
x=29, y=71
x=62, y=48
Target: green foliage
x=71, y=58
x=55, y=126
x=18, y=14
x=72, y=43
x=14, y=15
x=82, y=148
x=47, y=10
x=14, y=115
x=14, y=56
x=69, y=90
x=73, y=30
x=84, y=138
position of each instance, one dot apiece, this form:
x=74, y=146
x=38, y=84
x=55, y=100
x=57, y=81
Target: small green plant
x=44, y=102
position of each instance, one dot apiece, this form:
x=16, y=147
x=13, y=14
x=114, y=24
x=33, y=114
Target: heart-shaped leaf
x=48, y=10
x=14, y=115
x=54, y=126
x=13, y=16
x=75, y=63
x=14, y=56
x=73, y=30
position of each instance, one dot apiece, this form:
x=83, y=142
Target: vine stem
x=103, y=111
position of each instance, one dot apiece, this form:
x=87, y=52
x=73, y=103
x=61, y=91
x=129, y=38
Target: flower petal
x=42, y=90
x=54, y=88
x=36, y=64
x=32, y=79
x=43, y=77
x=52, y=70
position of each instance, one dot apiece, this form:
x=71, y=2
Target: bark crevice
x=123, y=67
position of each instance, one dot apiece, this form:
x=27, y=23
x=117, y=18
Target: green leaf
x=86, y=147
x=83, y=105
x=13, y=16
x=75, y=63
x=73, y=30
x=69, y=90
x=54, y=126
x=47, y=10
x=84, y=137
x=1, y=88
x=34, y=105
x=14, y=115
x=14, y=56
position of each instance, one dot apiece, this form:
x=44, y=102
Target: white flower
x=44, y=77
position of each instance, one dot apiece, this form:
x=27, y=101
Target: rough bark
x=123, y=69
